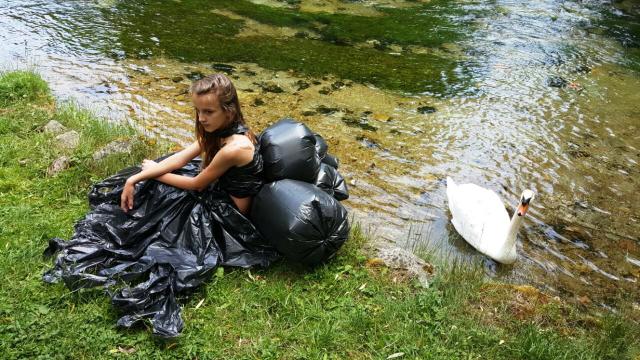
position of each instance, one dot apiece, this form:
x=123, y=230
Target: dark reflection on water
x=540, y=95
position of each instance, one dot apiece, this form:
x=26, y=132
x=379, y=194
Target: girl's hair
x=223, y=88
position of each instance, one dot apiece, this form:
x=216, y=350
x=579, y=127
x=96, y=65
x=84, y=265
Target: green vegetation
x=143, y=31
x=21, y=86
x=353, y=307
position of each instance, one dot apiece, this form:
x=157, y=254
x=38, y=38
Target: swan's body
x=481, y=219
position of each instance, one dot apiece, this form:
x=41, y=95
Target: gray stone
x=54, y=127
x=69, y=140
x=398, y=258
x=58, y=165
x=114, y=147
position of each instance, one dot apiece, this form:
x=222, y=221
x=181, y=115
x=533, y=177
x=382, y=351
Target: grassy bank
x=353, y=307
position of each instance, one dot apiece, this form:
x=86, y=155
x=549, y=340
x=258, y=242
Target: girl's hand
x=147, y=164
x=126, y=199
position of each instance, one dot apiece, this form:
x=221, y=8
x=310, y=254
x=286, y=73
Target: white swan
x=479, y=216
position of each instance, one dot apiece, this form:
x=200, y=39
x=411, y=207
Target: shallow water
x=505, y=94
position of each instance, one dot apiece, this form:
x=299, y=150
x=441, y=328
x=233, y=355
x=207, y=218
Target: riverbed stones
x=58, y=165
x=301, y=84
x=557, y=81
x=269, y=86
x=426, y=109
x=54, y=127
x=195, y=75
x=326, y=110
x=114, y=147
x=68, y=140
x=399, y=258
x=225, y=68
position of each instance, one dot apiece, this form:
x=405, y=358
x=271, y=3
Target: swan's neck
x=516, y=222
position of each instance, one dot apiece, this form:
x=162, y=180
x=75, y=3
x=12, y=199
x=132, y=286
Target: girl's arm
x=173, y=162
x=167, y=165
x=237, y=153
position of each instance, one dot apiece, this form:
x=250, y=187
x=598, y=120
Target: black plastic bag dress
x=169, y=243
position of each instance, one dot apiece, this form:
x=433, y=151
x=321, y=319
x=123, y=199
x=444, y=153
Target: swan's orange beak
x=522, y=209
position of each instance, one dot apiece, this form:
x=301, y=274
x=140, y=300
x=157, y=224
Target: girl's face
x=210, y=114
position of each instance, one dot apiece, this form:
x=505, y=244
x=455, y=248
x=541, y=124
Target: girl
x=182, y=218
x=223, y=140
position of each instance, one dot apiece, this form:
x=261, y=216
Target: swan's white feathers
x=478, y=215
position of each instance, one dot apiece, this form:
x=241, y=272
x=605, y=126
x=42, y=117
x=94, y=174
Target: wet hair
x=222, y=87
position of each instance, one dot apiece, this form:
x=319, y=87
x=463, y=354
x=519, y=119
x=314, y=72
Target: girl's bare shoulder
x=239, y=149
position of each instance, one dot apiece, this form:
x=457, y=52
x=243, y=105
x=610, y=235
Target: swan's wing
x=478, y=214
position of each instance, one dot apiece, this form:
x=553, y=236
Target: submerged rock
x=361, y=123
x=302, y=85
x=337, y=85
x=426, y=109
x=54, y=127
x=325, y=110
x=556, y=81
x=226, y=68
x=194, y=75
x=114, y=147
x=270, y=87
x=68, y=140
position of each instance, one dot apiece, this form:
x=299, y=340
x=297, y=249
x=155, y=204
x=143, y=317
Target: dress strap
x=235, y=128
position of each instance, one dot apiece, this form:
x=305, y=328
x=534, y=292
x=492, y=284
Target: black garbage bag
x=169, y=243
x=321, y=148
x=330, y=181
x=289, y=152
x=331, y=160
x=304, y=223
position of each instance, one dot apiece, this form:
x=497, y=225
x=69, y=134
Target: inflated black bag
x=331, y=182
x=331, y=160
x=289, y=152
x=304, y=223
x=321, y=148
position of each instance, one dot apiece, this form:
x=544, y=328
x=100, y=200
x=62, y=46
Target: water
x=505, y=94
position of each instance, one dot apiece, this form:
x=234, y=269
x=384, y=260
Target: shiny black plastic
x=289, y=152
x=331, y=182
x=304, y=223
x=169, y=243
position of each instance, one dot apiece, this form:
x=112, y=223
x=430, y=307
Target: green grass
x=21, y=86
x=350, y=308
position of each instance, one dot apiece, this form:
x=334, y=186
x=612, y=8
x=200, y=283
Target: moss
x=209, y=37
x=426, y=25
x=21, y=86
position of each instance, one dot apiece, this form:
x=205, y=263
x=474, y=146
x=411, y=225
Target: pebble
x=398, y=258
x=58, y=165
x=114, y=147
x=54, y=127
x=68, y=140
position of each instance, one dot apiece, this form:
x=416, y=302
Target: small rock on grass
x=58, y=165
x=114, y=147
x=398, y=258
x=54, y=127
x=68, y=140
